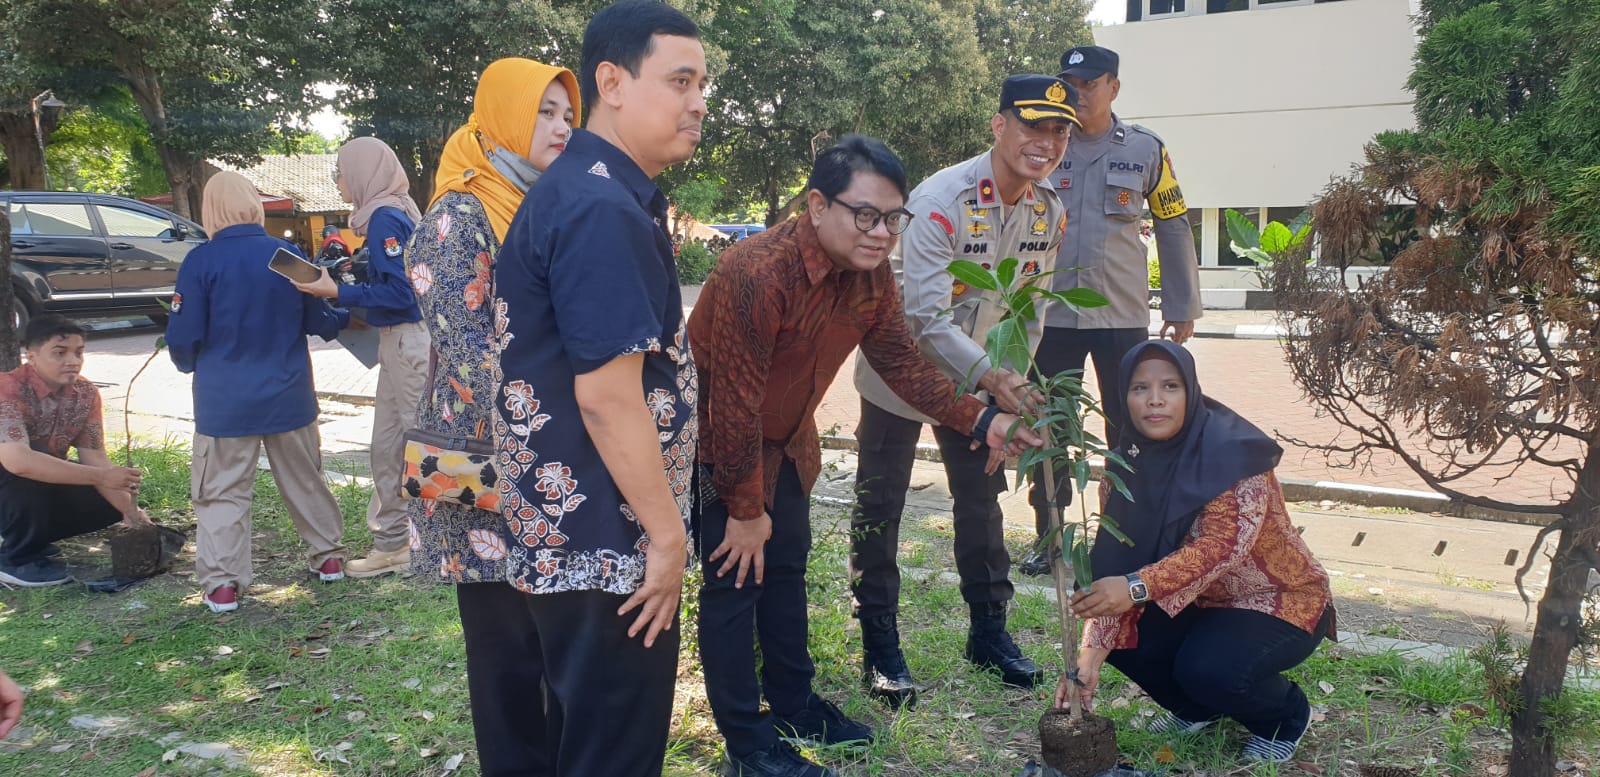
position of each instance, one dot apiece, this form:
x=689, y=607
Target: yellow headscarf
x=504, y=112
x=229, y=199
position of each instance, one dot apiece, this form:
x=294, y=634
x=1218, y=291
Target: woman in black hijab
x=1238, y=597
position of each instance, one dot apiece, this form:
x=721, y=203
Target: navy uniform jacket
x=387, y=294
x=241, y=329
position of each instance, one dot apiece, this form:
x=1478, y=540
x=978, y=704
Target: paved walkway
x=1239, y=359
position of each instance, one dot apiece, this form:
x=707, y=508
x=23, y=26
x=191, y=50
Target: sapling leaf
x=1121, y=487
x=1080, y=472
x=1080, y=564
x=973, y=274
x=1007, y=272
x=1085, y=298
x=1110, y=525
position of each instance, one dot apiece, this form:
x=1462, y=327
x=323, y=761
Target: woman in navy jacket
x=241, y=329
x=370, y=177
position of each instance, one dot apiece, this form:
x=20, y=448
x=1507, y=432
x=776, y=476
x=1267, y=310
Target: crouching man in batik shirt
x=46, y=407
x=594, y=420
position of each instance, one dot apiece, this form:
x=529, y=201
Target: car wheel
x=21, y=311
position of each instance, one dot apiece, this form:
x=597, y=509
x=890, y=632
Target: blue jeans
x=1213, y=662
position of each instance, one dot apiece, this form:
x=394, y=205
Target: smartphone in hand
x=285, y=263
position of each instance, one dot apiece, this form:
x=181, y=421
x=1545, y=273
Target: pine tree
x=1479, y=348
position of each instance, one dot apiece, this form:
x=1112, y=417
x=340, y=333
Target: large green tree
x=923, y=75
x=1479, y=349
x=410, y=67
x=212, y=78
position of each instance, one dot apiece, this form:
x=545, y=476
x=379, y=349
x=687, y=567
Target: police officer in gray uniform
x=1111, y=174
x=992, y=208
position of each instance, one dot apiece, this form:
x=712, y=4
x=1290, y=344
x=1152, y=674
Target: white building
x=1262, y=101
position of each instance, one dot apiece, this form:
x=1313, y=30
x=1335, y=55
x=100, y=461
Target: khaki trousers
x=222, y=483
x=402, y=377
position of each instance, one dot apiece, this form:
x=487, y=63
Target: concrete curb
x=1300, y=490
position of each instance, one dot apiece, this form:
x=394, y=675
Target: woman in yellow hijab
x=522, y=115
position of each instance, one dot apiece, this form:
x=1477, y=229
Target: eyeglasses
x=867, y=217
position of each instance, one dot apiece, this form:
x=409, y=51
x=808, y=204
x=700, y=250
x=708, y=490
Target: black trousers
x=773, y=614
x=1070, y=349
x=558, y=688
x=34, y=514
x=888, y=445
x=1212, y=662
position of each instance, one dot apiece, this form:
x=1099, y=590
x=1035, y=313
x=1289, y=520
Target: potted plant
x=1075, y=743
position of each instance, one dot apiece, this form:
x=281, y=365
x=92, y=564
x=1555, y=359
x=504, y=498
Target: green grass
x=368, y=677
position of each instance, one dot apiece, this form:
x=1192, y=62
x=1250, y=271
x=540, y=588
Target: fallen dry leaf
x=147, y=772
x=427, y=752
x=85, y=647
x=129, y=639
x=1309, y=768
x=1326, y=686
x=1165, y=755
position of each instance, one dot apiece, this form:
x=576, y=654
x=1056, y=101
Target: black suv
x=94, y=254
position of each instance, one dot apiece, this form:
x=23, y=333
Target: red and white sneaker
x=224, y=599
x=331, y=570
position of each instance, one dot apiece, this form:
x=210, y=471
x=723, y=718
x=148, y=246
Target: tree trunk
x=10, y=338
x=182, y=169
x=1555, y=630
x=21, y=146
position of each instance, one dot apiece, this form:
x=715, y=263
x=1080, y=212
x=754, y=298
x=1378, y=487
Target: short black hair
x=836, y=167
x=622, y=34
x=331, y=229
x=43, y=329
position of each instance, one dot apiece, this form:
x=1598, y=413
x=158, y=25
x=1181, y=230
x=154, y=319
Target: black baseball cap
x=1088, y=62
x=1037, y=98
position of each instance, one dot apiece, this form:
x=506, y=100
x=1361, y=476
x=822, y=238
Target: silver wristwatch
x=1137, y=590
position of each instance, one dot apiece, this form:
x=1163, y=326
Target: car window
x=59, y=218
x=19, y=220
x=123, y=222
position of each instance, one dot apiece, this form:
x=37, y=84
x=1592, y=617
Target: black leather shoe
x=989, y=646
x=822, y=723
x=884, y=673
x=780, y=760
x=1036, y=563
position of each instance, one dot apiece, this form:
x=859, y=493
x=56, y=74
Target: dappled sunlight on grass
x=373, y=672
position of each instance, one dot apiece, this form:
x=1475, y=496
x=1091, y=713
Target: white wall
x=1261, y=108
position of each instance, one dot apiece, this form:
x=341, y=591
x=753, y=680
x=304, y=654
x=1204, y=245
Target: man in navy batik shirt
x=595, y=412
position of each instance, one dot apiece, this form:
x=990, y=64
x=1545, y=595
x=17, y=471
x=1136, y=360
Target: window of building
x=1155, y=9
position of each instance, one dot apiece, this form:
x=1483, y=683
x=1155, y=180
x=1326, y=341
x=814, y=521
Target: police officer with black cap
x=995, y=206
x=1111, y=174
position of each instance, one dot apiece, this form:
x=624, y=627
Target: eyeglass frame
x=881, y=217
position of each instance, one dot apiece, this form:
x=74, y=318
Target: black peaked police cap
x=1038, y=98
x=1089, y=62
